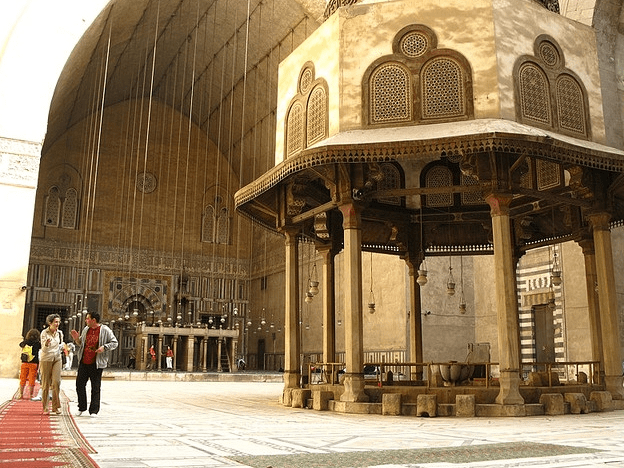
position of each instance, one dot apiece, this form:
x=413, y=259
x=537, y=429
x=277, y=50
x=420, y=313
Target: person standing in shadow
x=169, y=358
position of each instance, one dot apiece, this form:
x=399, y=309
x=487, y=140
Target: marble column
x=204, y=347
x=190, y=352
x=591, y=279
x=354, y=333
x=159, y=352
x=219, y=345
x=292, y=346
x=609, y=326
x=142, y=352
x=506, y=301
x=415, y=322
x=175, y=351
x=233, y=353
x=329, y=306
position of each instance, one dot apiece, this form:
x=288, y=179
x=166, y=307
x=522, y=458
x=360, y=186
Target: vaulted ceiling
x=214, y=61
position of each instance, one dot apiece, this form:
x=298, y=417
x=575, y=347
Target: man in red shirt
x=94, y=346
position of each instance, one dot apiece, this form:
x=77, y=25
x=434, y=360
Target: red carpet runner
x=30, y=439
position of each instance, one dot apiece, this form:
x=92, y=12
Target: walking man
x=94, y=346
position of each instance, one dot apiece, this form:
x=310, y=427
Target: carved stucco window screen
x=216, y=218
x=417, y=83
x=61, y=211
x=307, y=116
x=549, y=95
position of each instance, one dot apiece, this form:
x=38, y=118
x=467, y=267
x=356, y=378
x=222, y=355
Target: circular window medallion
x=414, y=44
x=146, y=182
x=549, y=54
x=306, y=80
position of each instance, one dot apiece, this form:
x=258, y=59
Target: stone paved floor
x=145, y=424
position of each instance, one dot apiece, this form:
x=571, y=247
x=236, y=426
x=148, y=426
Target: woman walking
x=50, y=362
x=30, y=361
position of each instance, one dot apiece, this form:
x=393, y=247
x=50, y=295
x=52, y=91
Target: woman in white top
x=50, y=362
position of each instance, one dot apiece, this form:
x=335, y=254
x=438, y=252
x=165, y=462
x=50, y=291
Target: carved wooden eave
x=323, y=165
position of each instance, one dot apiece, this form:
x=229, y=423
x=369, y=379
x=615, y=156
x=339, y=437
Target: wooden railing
x=421, y=373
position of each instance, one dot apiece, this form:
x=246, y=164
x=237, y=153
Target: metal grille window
x=439, y=176
x=571, y=111
x=391, y=180
x=208, y=224
x=414, y=44
x=52, y=208
x=390, y=94
x=294, y=135
x=442, y=89
x=418, y=83
x=548, y=175
x=317, y=115
x=470, y=198
x=70, y=209
x=223, y=227
x=548, y=94
x=534, y=95
x=307, y=119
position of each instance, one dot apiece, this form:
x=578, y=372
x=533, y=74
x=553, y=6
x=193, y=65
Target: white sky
x=36, y=38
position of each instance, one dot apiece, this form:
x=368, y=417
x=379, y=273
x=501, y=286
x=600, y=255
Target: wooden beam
x=423, y=191
x=313, y=212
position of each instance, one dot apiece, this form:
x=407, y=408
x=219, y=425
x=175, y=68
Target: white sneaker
x=79, y=413
x=93, y=415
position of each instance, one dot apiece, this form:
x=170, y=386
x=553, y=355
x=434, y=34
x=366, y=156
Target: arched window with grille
x=70, y=209
x=216, y=224
x=390, y=94
x=439, y=176
x=223, y=227
x=208, y=224
x=52, y=210
x=307, y=118
x=549, y=95
x=442, y=83
x=534, y=94
x=391, y=180
x=470, y=198
x=418, y=83
x=317, y=115
x=294, y=129
x=570, y=105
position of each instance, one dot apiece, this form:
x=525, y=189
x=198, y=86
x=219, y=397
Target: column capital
x=587, y=246
x=499, y=203
x=326, y=251
x=290, y=233
x=599, y=221
x=351, y=215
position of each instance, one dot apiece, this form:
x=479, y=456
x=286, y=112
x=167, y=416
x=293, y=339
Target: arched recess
x=549, y=95
x=216, y=216
x=61, y=192
x=141, y=293
x=307, y=120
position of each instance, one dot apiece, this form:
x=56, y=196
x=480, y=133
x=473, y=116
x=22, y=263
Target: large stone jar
x=455, y=373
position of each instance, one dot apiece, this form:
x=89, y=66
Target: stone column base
x=509, y=389
x=613, y=384
x=354, y=388
x=291, y=379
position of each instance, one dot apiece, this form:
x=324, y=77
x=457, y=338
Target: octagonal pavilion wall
x=484, y=32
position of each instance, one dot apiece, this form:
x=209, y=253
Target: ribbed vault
x=213, y=60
